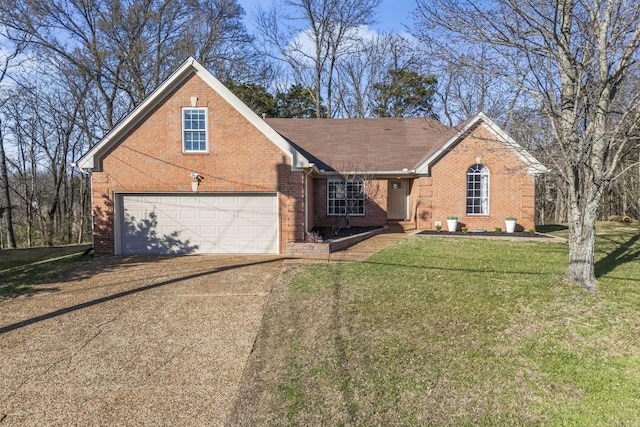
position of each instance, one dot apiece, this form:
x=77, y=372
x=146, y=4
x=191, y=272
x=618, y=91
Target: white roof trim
x=535, y=167
x=89, y=160
x=407, y=172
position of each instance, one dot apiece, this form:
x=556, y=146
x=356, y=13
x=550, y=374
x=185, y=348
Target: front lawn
x=437, y=331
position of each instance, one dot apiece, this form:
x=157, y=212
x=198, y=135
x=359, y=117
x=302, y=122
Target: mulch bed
x=517, y=235
x=331, y=233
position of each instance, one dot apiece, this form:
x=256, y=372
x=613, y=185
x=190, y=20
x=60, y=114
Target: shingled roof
x=380, y=145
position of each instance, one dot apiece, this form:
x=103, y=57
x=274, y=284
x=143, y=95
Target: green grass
x=22, y=270
x=437, y=331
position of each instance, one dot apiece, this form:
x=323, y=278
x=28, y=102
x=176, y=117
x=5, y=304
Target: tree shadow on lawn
x=76, y=307
x=458, y=269
x=623, y=253
x=550, y=228
x=28, y=269
x=11, y=258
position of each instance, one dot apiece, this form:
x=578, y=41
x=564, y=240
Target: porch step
x=400, y=226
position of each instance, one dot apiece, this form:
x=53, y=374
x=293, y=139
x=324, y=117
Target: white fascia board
x=424, y=167
x=408, y=173
x=534, y=166
x=298, y=161
x=87, y=161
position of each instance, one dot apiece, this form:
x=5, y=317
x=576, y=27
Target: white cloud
x=302, y=47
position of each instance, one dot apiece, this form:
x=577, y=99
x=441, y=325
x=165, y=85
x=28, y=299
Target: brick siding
x=375, y=205
x=443, y=193
x=240, y=159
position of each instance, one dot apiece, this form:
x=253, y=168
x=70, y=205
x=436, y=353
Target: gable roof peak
x=464, y=128
x=91, y=159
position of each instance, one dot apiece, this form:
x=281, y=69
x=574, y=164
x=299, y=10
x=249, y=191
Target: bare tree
x=6, y=193
x=463, y=91
x=572, y=58
x=87, y=63
x=355, y=189
x=9, y=51
x=371, y=61
x=128, y=48
x=327, y=31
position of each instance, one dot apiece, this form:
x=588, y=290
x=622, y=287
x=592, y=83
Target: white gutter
x=368, y=172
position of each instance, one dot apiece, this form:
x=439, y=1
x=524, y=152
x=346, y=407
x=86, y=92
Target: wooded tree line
x=560, y=77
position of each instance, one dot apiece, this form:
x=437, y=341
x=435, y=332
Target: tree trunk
x=582, y=240
x=4, y=176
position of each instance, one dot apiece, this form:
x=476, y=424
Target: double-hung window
x=345, y=196
x=478, y=190
x=194, y=130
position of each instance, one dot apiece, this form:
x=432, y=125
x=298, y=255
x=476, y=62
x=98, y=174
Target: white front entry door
x=398, y=199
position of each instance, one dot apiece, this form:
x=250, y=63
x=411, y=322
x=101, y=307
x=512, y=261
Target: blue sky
x=392, y=14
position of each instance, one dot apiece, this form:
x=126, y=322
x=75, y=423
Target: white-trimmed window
x=478, y=190
x=345, y=196
x=194, y=130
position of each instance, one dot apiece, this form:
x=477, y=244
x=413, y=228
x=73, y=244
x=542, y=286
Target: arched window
x=478, y=190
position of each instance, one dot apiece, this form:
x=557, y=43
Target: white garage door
x=233, y=223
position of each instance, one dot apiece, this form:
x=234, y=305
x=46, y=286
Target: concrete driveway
x=133, y=341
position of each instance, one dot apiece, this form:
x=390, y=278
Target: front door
x=398, y=199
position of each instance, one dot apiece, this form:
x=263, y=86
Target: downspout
x=307, y=172
x=306, y=204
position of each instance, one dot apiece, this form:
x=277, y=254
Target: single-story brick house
x=193, y=170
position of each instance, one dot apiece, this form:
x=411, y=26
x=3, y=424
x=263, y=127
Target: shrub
x=465, y=229
x=498, y=229
x=313, y=237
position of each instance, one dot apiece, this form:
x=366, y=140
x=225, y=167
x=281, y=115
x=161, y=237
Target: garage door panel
x=209, y=230
x=248, y=215
x=266, y=216
x=186, y=215
x=203, y=223
x=168, y=215
x=247, y=230
x=209, y=213
x=226, y=215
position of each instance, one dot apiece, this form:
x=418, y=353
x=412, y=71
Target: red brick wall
x=511, y=188
x=240, y=158
x=375, y=205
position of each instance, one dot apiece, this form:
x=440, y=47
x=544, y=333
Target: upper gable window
x=194, y=130
x=478, y=190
